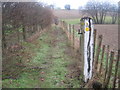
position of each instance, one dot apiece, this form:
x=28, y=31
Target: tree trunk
x=97, y=18
x=24, y=33
x=102, y=15
x=4, y=44
x=114, y=18
x=18, y=36
x=104, y=18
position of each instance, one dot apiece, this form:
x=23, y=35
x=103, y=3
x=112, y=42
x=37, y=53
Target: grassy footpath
x=48, y=68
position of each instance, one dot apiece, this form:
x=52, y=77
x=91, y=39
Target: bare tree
x=97, y=10
x=67, y=7
x=103, y=9
x=52, y=6
x=113, y=13
x=24, y=14
x=91, y=9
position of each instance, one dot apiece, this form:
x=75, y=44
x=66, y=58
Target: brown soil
x=110, y=35
x=67, y=14
x=109, y=32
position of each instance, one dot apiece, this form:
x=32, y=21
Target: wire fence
x=106, y=63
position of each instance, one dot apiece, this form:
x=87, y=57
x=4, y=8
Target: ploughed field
x=109, y=32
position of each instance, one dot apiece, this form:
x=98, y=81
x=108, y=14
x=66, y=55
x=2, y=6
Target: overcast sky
x=74, y=3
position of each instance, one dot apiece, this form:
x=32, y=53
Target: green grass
x=28, y=76
x=104, y=66
x=48, y=59
x=72, y=21
x=108, y=20
x=11, y=31
x=25, y=80
x=55, y=75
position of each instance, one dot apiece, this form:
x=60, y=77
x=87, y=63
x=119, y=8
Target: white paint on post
x=88, y=47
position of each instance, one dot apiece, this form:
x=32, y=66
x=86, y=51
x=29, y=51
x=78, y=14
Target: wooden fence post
x=81, y=49
x=18, y=36
x=116, y=70
x=102, y=57
x=98, y=51
x=64, y=25
x=109, y=70
x=119, y=75
x=24, y=32
x=73, y=35
x=70, y=32
x=95, y=32
x=119, y=69
x=81, y=45
x=61, y=24
x=106, y=66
